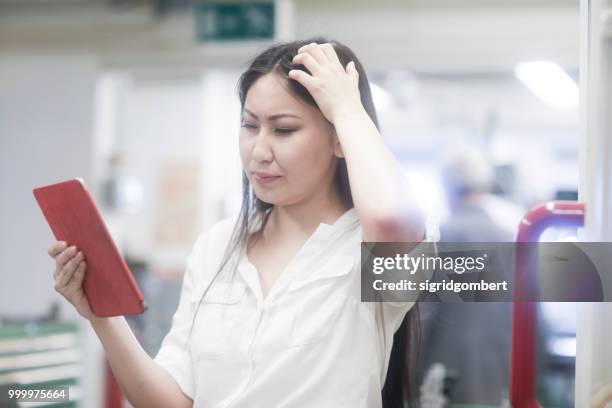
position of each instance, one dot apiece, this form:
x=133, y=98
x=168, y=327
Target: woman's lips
x=261, y=179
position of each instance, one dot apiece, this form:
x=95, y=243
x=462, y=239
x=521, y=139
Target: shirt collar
x=318, y=241
x=344, y=222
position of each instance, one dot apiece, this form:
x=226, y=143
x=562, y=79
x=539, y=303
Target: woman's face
x=288, y=149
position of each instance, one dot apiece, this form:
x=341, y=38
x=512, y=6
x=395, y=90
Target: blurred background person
x=471, y=340
x=476, y=215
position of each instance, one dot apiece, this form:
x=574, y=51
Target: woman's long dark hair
x=254, y=212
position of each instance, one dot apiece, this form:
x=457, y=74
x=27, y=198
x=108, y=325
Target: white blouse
x=310, y=343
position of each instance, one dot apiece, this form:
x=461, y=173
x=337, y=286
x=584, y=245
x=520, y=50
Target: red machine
x=523, y=379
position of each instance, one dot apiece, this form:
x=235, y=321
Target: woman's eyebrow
x=275, y=116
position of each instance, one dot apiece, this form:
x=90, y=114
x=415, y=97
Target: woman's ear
x=337, y=146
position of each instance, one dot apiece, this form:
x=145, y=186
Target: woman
x=270, y=312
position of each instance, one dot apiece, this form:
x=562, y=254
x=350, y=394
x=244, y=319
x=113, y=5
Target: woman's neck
x=299, y=221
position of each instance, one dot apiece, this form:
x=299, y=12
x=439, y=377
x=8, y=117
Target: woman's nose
x=262, y=149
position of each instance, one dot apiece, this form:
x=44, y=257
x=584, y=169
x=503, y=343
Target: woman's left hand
x=334, y=88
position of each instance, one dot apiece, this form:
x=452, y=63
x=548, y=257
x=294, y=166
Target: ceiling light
x=549, y=82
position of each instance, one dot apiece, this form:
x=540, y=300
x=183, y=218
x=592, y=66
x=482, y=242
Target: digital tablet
x=74, y=218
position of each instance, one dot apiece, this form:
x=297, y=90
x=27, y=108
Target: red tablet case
x=74, y=218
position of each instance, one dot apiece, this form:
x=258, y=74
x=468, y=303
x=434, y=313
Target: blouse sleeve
x=389, y=310
x=174, y=355
x=390, y=314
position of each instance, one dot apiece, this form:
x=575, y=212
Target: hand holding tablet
x=70, y=268
x=90, y=271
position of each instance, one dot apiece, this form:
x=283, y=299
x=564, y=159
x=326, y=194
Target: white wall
x=166, y=116
x=423, y=35
x=46, y=121
x=45, y=137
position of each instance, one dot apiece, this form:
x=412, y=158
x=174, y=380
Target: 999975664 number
x=37, y=395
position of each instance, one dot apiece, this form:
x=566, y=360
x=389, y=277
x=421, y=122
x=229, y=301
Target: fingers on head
x=308, y=61
x=303, y=78
x=307, y=47
x=330, y=52
x=315, y=50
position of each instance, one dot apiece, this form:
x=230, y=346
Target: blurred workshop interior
x=138, y=98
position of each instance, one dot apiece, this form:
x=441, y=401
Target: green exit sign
x=234, y=20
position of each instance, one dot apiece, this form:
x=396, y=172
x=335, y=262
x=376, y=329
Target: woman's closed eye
x=249, y=126
x=285, y=131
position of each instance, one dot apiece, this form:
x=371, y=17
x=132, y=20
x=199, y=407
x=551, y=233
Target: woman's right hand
x=70, y=267
x=144, y=382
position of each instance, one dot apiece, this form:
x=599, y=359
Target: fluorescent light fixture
x=549, y=82
x=382, y=99
x=563, y=346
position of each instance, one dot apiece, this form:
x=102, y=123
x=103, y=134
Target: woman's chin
x=274, y=199
x=266, y=197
